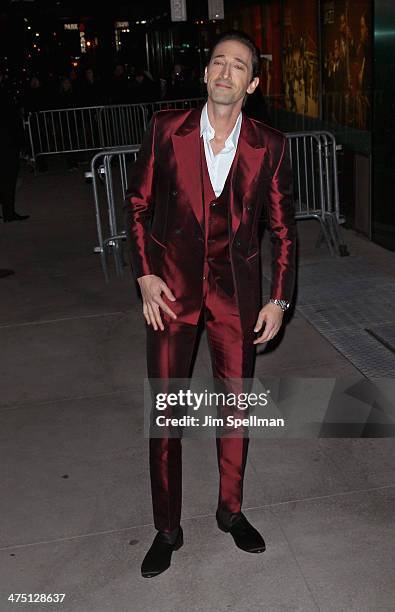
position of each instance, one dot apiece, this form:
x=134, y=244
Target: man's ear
x=205, y=75
x=253, y=85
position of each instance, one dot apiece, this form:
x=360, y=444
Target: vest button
x=174, y=192
x=238, y=243
x=213, y=203
x=210, y=259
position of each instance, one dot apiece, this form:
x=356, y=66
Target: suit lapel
x=186, y=145
x=250, y=153
x=247, y=163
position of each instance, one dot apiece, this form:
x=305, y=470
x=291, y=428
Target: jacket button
x=238, y=243
x=210, y=259
x=213, y=203
x=178, y=230
x=174, y=192
x=249, y=207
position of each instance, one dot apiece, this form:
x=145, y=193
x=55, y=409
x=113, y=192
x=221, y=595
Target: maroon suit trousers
x=169, y=355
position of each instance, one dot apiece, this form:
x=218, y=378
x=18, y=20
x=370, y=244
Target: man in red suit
x=196, y=196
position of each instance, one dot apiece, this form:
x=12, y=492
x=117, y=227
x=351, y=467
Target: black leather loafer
x=246, y=537
x=158, y=558
x=5, y=272
x=15, y=217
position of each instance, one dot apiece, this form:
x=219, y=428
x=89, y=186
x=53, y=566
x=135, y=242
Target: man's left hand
x=272, y=315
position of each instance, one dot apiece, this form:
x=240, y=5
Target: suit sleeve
x=139, y=204
x=282, y=223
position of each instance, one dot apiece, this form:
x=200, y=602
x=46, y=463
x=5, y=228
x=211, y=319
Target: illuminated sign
x=178, y=10
x=216, y=9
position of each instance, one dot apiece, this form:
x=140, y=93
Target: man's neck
x=223, y=118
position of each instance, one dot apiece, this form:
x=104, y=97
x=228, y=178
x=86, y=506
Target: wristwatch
x=284, y=305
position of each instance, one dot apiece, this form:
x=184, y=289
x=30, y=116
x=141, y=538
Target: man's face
x=228, y=74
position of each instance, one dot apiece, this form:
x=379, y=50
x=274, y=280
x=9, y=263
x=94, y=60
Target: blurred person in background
x=68, y=130
x=176, y=87
x=35, y=97
x=11, y=141
x=119, y=85
x=90, y=91
x=143, y=88
x=67, y=96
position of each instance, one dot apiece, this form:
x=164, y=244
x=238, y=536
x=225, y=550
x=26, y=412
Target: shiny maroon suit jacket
x=165, y=212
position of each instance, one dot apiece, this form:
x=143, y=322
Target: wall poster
x=347, y=62
x=300, y=57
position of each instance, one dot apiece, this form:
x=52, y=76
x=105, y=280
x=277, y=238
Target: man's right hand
x=151, y=289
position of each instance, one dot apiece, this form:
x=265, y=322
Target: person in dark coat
x=119, y=86
x=35, y=97
x=68, y=98
x=90, y=90
x=143, y=88
x=11, y=138
x=256, y=107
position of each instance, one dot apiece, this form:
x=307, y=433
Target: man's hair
x=245, y=40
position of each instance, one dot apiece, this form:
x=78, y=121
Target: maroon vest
x=216, y=225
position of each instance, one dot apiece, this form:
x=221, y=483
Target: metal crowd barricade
x=316, y=191
x=110, y=168
x=316, y=196
x=72, y=130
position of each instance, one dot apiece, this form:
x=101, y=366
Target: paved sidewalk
x=75, y=495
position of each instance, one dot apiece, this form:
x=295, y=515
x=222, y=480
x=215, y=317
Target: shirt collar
x=208, y=131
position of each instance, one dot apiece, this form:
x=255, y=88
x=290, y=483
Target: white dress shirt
x=218, y=165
